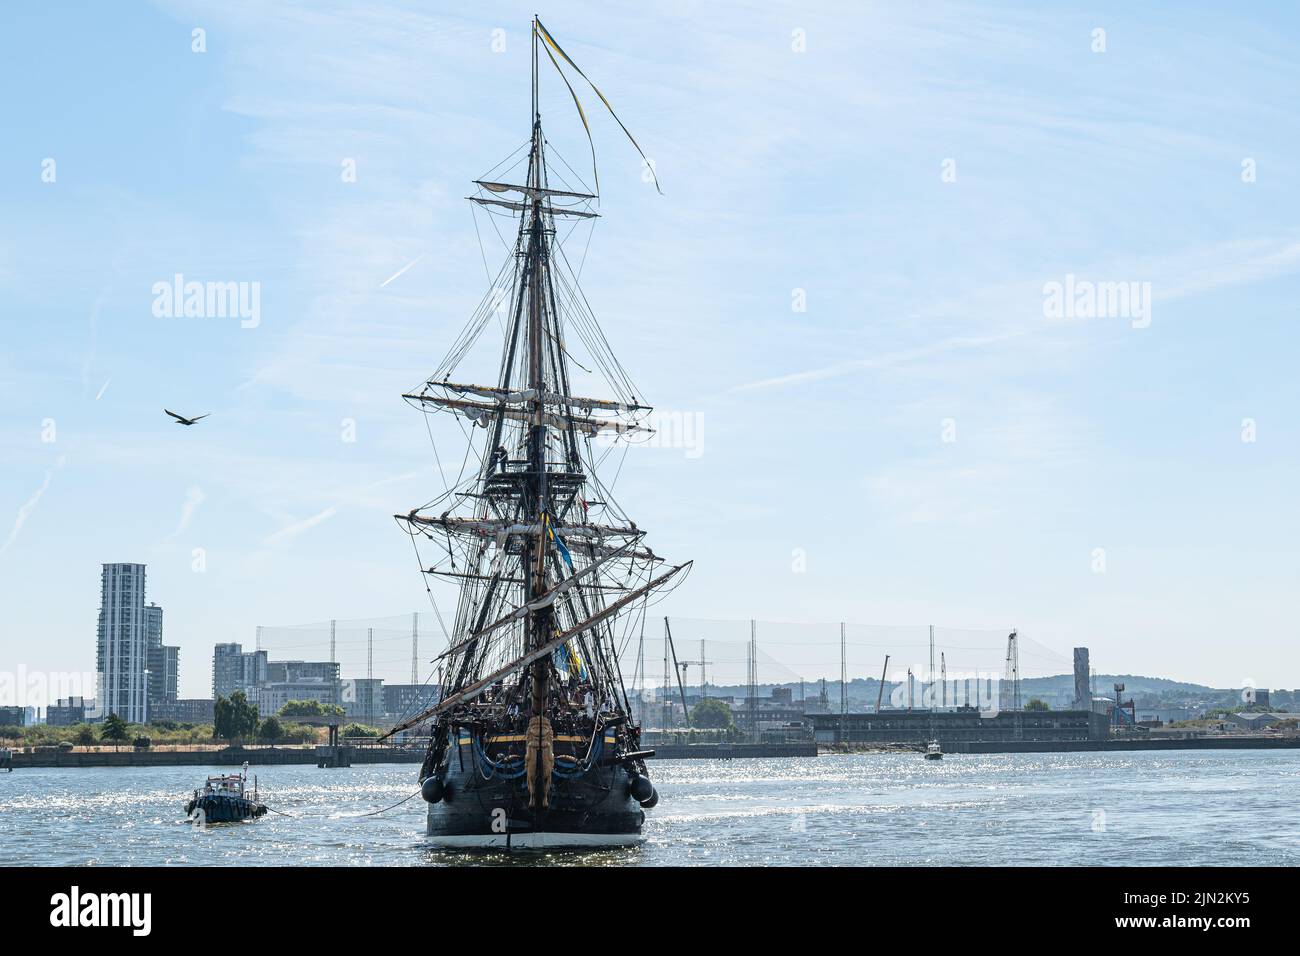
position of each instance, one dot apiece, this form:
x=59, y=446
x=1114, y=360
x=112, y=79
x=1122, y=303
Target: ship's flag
x=575, y=661
x=559, y=542
x=550, y=42
x=564, y=552
x=567, y=659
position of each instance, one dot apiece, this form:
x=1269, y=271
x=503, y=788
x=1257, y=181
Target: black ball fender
x=640, y=787
x=431, y=790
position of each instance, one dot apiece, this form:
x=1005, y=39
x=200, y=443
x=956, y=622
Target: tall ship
x=533, y=740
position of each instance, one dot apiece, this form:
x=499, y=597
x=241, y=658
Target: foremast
x=537, y=496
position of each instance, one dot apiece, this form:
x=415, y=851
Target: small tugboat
x=226, y=799
x=933, y=751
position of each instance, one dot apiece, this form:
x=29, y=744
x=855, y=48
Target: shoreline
x=209, y=757
x=1114, y=745
x=282, y=756
x=302, y=756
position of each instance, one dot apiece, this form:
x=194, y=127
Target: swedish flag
x=567, y=659
x=559, y=542
x=576, y=662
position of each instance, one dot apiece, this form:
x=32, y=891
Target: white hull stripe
x=536, y=841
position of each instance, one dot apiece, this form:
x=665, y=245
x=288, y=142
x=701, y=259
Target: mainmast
x=536, y=501
x=526, y=594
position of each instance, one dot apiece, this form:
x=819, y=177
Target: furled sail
x=481, y=411
x=528, y=207
x=531, y=191
x=477, y=688
x=546, y=600
x=522, y=395
x=489, y=527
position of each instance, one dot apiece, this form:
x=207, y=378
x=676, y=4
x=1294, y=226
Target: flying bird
x=182, y=420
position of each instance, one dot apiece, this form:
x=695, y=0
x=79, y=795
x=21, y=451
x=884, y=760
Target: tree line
x=235, y=718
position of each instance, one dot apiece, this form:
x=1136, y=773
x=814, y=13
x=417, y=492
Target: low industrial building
x=1254, y=720
x=69, y=711
x=1164, y=715
x=270, y=698
x=363, y=698
x=959, y=725
x=186, y=710
x=403, y=700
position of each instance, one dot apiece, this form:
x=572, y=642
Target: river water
x=1174, y=808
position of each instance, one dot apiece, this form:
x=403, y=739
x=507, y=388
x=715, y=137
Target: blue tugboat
x=226, y=799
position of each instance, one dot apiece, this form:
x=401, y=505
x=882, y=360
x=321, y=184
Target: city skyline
x=310, y=641
x=250, y=671
x=269, y=683
x=869, y=330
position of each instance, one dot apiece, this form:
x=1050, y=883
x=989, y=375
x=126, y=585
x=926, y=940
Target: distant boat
x=933, y=751
x=226, y=799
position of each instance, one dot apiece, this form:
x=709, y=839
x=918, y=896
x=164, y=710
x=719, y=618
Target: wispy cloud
x=361, y=498
x=886, y=360
x=292, y=531
x=402, y=270
x=193, y=498
x=1178, y=275
x=29, y=506
x=1226, y=264
x=92, y=344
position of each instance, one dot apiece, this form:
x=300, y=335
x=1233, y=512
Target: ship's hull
x=592, y=810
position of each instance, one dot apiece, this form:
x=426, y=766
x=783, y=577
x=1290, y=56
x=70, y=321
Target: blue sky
x=821, y=170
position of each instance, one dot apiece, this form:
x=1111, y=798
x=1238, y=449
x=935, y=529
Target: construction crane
x=701, y=663
x=1009, y=697
x=684, y=665
x=880, y=694
x=928, y=699
x=943, y=677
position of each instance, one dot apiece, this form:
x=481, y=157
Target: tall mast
x=524, y=594
x=535, y=496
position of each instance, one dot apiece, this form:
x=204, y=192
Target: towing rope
x=372, y=813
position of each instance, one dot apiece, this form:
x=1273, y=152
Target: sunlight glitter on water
x=1205, y=807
